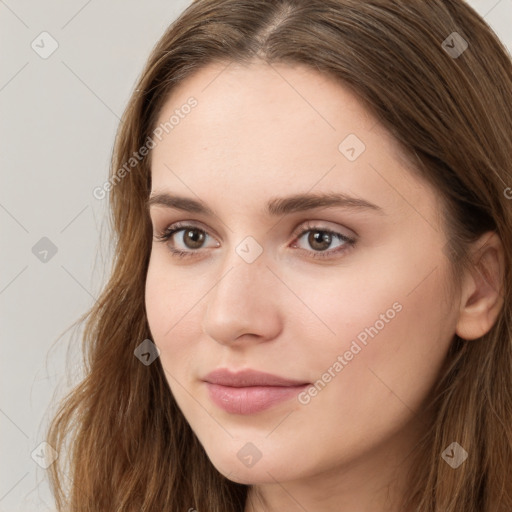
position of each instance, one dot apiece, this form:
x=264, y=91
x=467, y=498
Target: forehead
x=260, y=129
x=265, y=97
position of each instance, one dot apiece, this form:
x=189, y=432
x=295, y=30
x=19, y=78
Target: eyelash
x=166, y=235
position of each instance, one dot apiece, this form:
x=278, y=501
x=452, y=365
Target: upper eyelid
x=179, y=225
x=318, y=224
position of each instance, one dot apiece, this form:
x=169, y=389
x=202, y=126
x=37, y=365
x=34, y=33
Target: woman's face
x=347, y=300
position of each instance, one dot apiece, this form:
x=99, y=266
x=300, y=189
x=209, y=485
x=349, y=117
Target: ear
x=482, y=295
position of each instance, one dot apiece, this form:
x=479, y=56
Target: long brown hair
x=129, y=448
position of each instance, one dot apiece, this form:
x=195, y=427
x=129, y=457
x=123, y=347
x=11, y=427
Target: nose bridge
x=240, y=302
x=244, y=271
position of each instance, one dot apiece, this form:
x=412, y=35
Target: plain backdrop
x=67, y=71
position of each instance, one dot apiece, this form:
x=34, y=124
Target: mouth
x=250, y=391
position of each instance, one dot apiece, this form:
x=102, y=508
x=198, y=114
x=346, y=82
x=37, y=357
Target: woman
x=310, y=307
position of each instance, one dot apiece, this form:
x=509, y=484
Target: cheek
x=391, y=335
x=173, y=300
x=158, y=310
x=173, y=307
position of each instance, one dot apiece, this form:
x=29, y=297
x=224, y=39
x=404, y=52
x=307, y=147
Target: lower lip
x=251, y=399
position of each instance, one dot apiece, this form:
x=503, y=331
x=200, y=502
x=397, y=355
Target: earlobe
x=482, y=291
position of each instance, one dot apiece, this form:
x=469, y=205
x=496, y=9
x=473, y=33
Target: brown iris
x=195, y=236
x=322, y=238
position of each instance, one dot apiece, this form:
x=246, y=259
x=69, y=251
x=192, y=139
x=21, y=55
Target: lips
x=245, y=378
x=250, y=391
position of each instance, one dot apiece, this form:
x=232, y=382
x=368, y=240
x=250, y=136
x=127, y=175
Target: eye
x=192, y=238
x=320, y=239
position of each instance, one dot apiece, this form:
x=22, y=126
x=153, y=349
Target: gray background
x=58, y=120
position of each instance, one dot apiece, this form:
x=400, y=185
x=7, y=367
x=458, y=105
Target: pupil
x=320, y=237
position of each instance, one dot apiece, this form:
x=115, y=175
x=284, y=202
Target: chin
x=236, y=465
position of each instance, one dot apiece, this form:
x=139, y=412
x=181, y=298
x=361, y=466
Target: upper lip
x=248, y=377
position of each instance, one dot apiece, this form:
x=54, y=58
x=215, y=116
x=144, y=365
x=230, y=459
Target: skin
x=263, y=131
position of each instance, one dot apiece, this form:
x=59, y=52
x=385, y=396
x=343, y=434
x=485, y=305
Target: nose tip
x=240, y=308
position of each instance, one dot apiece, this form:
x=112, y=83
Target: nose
x=243, y=307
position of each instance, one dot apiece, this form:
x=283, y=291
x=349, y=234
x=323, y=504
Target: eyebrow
x=275, y=207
